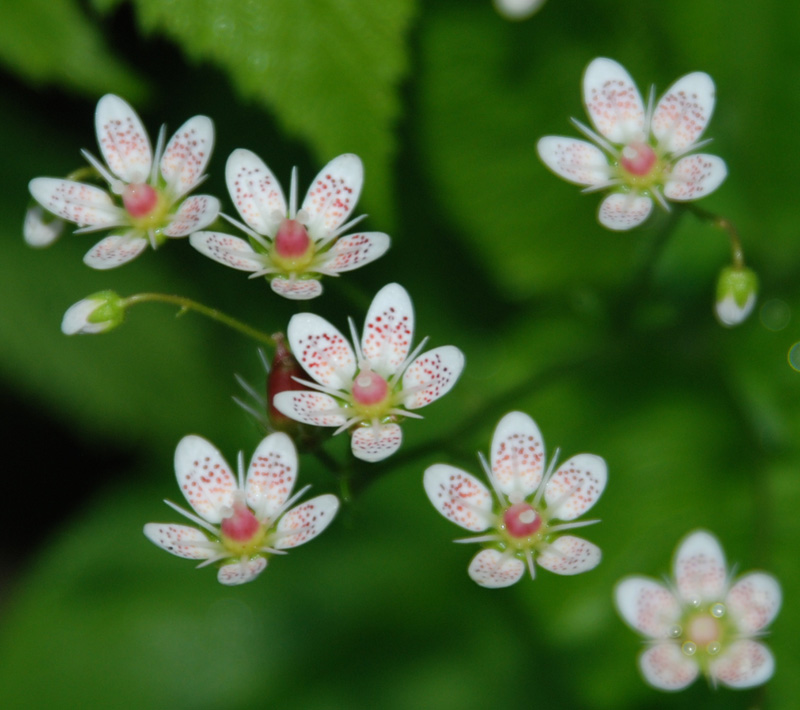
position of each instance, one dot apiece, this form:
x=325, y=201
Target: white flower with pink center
x=369, y=390
x=290, y=247
x=524, y=523
x=243, y=522
x=642, y=154
x=700, y=622
x=147, y=202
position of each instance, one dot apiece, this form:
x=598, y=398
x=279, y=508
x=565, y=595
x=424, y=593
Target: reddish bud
x=281, y=379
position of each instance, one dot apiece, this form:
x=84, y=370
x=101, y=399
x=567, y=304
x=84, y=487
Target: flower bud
x=281, y=379
x=41, y=228
x=98, y=313
x=737, y=289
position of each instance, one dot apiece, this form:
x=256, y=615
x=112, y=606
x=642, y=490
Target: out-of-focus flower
x=737, y=290
x=642, y=153
x=700, y=622
x=517, y=9
x=371, y=390
x=241, y=523
x=98, y=313
x=146, y=202
x=41, y=228
x=293, y=248
x=531, y=509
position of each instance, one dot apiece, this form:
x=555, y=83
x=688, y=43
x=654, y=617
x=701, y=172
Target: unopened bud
x=41, y=228
x=98, y=313
x=737, y=289
x=281, y=379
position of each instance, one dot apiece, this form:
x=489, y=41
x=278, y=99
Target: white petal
x=744, y=665
x=620, y=211
x=683, y=112
x=86, y=205
x=434, y=373
x=459, y=496
x=114, y=251
x=612, y=101
x=570, y=555
x=576, y=486
x=517, y=455
x=204, y=477
x=195, y=213
x=754, y=601
x=306, y=521
x=494, y=570
x=322, y=350
x=187, y=154
x=241, y=571
x=313, y=408
x=354, y=251
x=296, y=289
x=228, y=250
x=517, y=9
x=333, y=194
x=76, y=319
x=39, y=230
x=666, y=668
x=647, y=606
x=574, y=160
x=123, y=141
x=271, y=474
x=368, y=445
x=388, y=329
x=255, y=191
x=695, y=176
x=699, y=568
x=179, y=540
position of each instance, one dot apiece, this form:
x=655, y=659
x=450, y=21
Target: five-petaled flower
x=372, y=389
x=147, y=193
x=242, y=522
x=645, y=149
x=531, y=508
x=702, y=623
x=293, y=248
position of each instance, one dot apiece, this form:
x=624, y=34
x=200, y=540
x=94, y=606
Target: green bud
x=98, y=313
x=737, y=289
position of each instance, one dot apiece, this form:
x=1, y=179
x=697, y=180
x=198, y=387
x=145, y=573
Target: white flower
x=517, y=9
x=242, y=523
x=145, y=205
x=641, y=152
x=290, y=247
x=530, y=510
x=370, y=390
x=699, y=622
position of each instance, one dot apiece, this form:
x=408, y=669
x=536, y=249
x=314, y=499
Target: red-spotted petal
x=432, y=375
x=180, y=540
x=683, y=112
x=187, y=154
x=313, y=408
x=322, y=350
x=492, y=569
x=86, y=205
x=255, y=191
x=570, y=555
x=306, y=521
x=333, y=194
x=228, y=250
x=204, y=477
x=699, y=568
x=271, y=475
x=459, y=496
x=666, y=668
x=517, y=455
x=621, y=212
x=114, y=251
x=647, y=606
x=612, y=101
x=744, y=665
x=576, y=486
x=754, y=601
x=123, y=141
x=368, y=444
x=388, y=329
x=296, y=289
x=575, y=160
x=354, y=251
x=241, y=571
x=695, y=176
x=195, y=213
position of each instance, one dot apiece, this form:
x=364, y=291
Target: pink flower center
x=703, y=630
x=140, y=199
x=369, y=388
x=522, y=520
x=242, y=525
x=292, y=240
x=638, y=159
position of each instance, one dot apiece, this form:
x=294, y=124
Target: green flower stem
x=186, y=304
x=737, y=253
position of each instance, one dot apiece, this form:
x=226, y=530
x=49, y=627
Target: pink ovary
x=139, y=199
x=292, y=239
x=638, y=159
x=522, y=520
x=369, y=388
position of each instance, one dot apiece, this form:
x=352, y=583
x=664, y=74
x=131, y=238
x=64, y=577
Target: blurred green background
x=607, y=340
